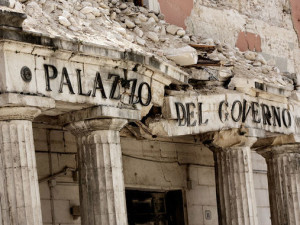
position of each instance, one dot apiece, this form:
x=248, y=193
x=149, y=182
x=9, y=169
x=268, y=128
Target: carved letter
x=98, y=85
x=276, y=116
x=114, y=86
x=288, y=123
x=266, y=114
x=183, y=119
x=149, y=96
x=190, y=114
x=133, y=87
x=245, y=111
x=255, y=112
x=80, y=92
x=220, y=110
x=200, y=115
x=48, y=77
x=239, y=112
x=62, y=82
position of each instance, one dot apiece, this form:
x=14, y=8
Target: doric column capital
x=283, y=163
x=19, y=113
x=83, y=127
x=20, y=197
x=101, y=181
x=271, y=151
x=234, y=173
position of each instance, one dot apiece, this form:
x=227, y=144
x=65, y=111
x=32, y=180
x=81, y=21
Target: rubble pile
x=126, y=27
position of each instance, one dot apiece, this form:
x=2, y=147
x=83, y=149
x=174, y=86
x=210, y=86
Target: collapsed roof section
x=125, y=27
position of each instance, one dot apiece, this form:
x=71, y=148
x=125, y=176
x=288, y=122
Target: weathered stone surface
x=19, y=190
x=129, y=23
x=182, y=56
x=64, y=21
x=102, y=189
x=153, y=36
x=172, y=29
x=186, y=39
x=217, y=115
x=4, y=2
x=250, y=55
x=14, y=61
x=235, y=183
x=181, y=33
x=11, y=18
x=283, y=181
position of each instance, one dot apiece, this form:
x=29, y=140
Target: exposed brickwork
x=176, y=11
x=295, y=5
x=249, y=41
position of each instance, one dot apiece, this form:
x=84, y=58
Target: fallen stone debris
x=126, y=27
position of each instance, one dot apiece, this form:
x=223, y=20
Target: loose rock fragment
x=257, y=63
x=186, y=39
x=172, y=29
x=140, y=41
x=138, y=32
x=129, y=23
x=182, y=56
x=113, y=15
x=181, y=33
x=153, y=36
x=64, y=21
x=142, y=17
x=250, y=55
x=123, y=6
x=87, y=10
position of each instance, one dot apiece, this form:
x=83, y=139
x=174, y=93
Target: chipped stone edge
x=109, y=52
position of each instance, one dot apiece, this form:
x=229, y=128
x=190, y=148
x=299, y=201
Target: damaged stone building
x=154, y=112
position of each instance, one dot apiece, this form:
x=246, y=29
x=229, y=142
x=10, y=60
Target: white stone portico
x=94, y=91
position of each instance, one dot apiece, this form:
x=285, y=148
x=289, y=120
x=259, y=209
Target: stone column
x=19, y=188
x=234, y=178
x=284, y=183
x=101, y=182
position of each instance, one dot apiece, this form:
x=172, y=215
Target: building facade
x=115, y=114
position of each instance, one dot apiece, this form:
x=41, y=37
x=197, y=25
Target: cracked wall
x=270, y=21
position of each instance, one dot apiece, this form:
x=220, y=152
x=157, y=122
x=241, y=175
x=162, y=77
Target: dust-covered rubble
x=124, y=26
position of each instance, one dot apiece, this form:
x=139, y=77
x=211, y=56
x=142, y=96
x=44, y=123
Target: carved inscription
x=143, y=89
x=238, y=111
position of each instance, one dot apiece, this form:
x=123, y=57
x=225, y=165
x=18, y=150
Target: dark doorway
x=155, y=208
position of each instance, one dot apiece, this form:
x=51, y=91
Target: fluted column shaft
x=102, y=189
x=235, y=186
x=19, y=189
x=284, y=183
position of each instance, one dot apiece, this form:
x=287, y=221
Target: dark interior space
x=155, y=208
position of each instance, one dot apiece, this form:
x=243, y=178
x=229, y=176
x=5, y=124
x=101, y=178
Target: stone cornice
x=77, y=47
x=271, y=151
x=11, y=18
x=83, y=127
x=19, y=113
x=20, y=100
x=97, y=113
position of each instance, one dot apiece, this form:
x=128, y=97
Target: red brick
x=295, y=6
x=248, y=41
x=176, y=11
